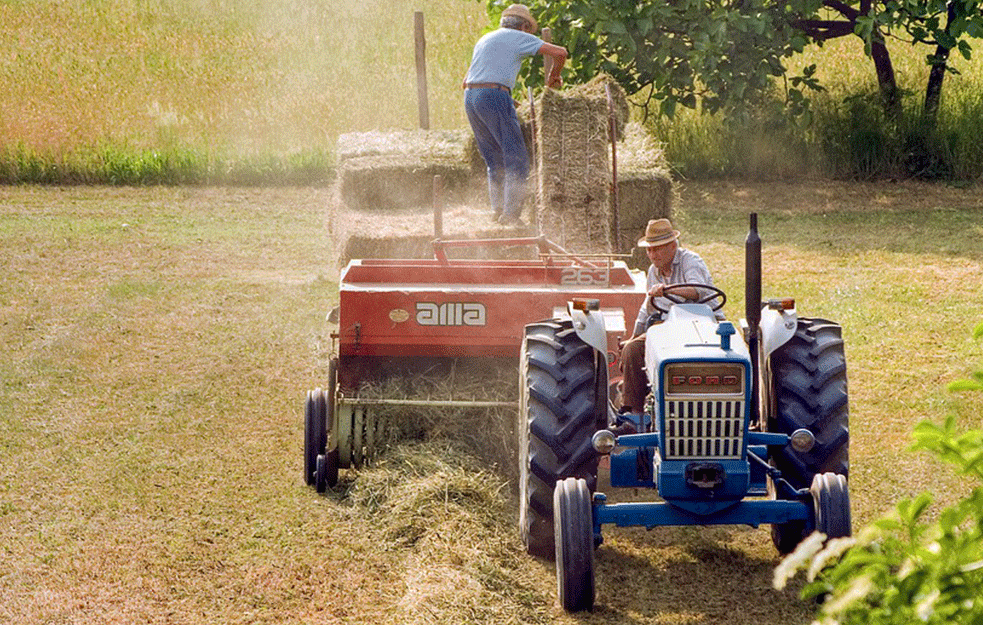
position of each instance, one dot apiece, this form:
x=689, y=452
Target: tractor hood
x=690, y=332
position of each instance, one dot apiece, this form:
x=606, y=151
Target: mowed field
x=158, y=343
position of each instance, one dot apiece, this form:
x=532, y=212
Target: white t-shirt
x=688, y=267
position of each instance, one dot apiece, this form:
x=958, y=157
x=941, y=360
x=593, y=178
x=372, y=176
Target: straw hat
x=521, y=10
x=658, y=232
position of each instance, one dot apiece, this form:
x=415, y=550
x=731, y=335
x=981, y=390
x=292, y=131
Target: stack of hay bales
x=573, y=156
x=385, y=181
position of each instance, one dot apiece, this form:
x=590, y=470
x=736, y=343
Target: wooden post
x=438, y=206
x=547, y=36
x=421, y=71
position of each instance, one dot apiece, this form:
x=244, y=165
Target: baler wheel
x=809, y=387
x=315, y=432
x=574, y=529
x=326, y=475
x=358, y=435
x=831, y=501
x=561, y=406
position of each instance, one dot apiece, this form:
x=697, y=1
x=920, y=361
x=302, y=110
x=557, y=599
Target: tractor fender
x=589, y=326
x=777, y=328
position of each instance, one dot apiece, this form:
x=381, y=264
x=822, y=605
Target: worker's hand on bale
x=555, y=83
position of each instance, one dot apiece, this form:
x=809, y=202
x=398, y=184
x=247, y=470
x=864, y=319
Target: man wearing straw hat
x=495, y=63
x=671, y=264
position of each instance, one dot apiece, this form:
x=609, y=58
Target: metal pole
x=421, y=71
x=752, y=312
x=534, y=216
x=547, y=36
x=615, y=237
x=438, y=206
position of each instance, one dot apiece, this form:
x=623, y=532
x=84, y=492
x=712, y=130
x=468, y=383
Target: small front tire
x=831, y=502
x=574, y=532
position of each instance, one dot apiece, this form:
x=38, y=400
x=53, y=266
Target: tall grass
x=252, y=91
x=848, y=135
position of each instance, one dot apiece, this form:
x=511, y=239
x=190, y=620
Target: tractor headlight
x=802, y=440
x=603, y=441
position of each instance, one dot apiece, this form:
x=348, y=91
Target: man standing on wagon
x=488, y=85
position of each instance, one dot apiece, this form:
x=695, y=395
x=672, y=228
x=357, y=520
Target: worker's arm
x=686, y=292
x=559, y=56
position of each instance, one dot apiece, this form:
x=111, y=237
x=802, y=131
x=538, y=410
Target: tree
x=720, y=53
x=724, y=54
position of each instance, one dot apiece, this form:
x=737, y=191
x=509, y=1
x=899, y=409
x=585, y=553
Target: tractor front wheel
x=574, y=545
x=562, y=404
x=809, y=390
x=831, y=501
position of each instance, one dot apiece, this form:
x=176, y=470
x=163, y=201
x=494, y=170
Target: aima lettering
x=450, y=314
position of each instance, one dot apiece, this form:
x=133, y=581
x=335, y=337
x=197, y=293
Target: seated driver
x=671, y=264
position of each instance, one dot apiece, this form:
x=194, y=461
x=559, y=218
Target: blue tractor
x=744, y=425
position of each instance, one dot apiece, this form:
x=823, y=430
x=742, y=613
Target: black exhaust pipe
x=752, y=276
x=752, y=307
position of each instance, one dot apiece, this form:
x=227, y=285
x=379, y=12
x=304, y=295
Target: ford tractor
x=745, y=424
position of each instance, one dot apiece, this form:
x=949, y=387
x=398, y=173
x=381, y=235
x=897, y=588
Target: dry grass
x=240, y=77
x=158, y=344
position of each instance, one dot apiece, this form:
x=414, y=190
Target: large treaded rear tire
x=559, y=412
x=809, y=390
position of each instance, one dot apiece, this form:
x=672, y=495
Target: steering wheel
x=667, y=292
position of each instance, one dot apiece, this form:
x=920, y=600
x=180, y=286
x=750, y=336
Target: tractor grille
x=703, y=429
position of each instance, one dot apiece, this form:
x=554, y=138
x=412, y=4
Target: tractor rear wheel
x=574, y=545
x=831, y=501
x=809, y=390
x=561, y=407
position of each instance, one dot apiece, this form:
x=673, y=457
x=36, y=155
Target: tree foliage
x=724, y=54
x=720, y=53
x=903, y=569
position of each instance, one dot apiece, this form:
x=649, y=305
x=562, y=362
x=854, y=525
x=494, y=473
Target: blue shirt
x=498, y=56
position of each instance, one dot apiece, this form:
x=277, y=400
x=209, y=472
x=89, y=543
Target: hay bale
x=436, y=145
x=397, y=182
x=573, y=160
x=386, y=171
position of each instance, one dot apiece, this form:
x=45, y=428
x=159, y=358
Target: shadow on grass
x=691, y=575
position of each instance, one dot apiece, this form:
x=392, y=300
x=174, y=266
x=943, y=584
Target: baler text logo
x=450, y=314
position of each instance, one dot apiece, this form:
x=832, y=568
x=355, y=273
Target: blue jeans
x=491, y=114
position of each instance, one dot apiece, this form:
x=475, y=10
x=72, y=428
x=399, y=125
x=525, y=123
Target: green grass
x=158, y=343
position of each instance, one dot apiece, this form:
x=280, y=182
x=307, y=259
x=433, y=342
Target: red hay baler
x=399, y=315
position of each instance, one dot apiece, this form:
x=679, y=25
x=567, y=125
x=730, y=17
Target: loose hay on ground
x=449, y=513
